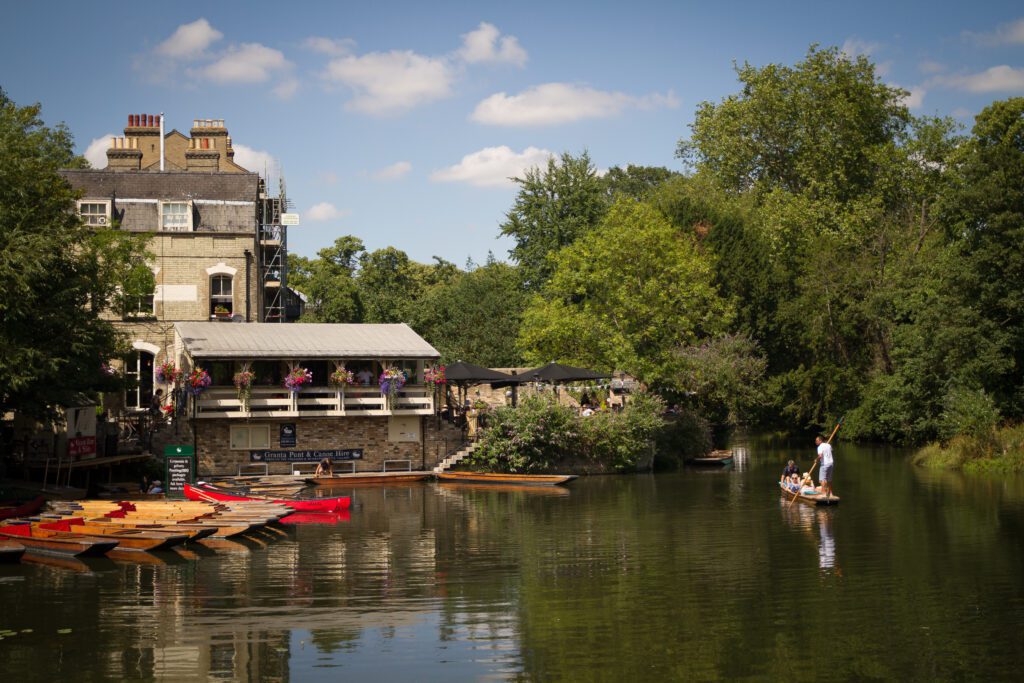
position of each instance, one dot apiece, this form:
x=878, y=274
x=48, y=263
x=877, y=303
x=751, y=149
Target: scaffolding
x=272, y=252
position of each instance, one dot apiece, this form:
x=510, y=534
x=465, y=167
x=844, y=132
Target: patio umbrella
x=557, y=373
x=467, y=373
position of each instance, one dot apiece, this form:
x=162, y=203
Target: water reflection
x=689, y=575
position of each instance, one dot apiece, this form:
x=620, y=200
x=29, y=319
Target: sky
x=402, y=123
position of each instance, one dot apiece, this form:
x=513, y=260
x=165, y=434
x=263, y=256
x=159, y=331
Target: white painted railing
x=220, y=402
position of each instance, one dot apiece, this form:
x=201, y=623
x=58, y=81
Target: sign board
x=289, y=219
x=178, y=473
x=306, y=456
x=179, y=450
x=81, y=446
x=288, y=435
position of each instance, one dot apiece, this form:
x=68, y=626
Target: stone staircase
x=456, y=457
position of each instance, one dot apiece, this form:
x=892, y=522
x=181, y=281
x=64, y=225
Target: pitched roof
x=302, y=341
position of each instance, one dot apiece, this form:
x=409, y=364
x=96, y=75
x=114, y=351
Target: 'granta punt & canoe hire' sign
x=306, y=456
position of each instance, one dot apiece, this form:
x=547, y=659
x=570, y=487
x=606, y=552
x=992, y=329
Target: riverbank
x=1003, y=452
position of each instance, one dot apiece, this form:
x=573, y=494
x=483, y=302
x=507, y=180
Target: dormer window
x=94, y=213
x=176, y=216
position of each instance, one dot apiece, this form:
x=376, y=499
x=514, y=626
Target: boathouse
x=278, y=423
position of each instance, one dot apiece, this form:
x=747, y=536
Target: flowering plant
x=341, y=377
x=107, y=370
x=168, y=410
x=391, y=381
x=434, y=375
x=297, y=379
x=168, y=373
x=198, y=381
x=243, y=383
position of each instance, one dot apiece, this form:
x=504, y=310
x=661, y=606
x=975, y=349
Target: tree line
x=822, y=252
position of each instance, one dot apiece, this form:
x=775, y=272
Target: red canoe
x=210, y=493
x=23, y=510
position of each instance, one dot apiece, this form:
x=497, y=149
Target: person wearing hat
x=155, y=487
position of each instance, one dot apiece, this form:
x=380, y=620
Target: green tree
x=389, y=285
x=53, y=342
x=474, y=316
x=627, y=296
x=553, y=207
x=986, y=224
x=330, y=284
x=637, y=182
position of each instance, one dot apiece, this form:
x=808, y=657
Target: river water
x=695, y=575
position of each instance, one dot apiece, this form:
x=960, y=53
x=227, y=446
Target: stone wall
x=437, y=439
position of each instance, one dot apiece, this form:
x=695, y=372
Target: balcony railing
x=221, y=402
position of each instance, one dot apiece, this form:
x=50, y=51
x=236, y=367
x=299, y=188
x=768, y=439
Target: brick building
x=219, y=246
x=359, y=423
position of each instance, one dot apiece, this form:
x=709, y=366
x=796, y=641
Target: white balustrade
x=221, y=402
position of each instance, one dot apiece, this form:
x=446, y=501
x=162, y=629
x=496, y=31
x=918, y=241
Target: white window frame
x=226, y=300
x=241, y=437
x=93, y=218
x=177, y=227
x=142, y=311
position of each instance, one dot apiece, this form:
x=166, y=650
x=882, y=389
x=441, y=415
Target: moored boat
x=38, y=540
x=712, y=459
x=29, y=508
x=369, y=478
x=210, y=493
x=11, y=551
x=807, y=494
x=127, y=539
x=500, y=478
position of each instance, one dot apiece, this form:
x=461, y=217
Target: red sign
x=81, y=446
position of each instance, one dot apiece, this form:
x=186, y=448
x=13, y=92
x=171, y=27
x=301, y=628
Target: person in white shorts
x=825, y=473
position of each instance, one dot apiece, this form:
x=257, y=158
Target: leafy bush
x=541, y=434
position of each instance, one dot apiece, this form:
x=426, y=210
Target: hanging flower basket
x=434, y=375
x=243, y=383
x=391, y=381
x=298, y=379
x=342, y=378
x=168, y=373
x=198, y=381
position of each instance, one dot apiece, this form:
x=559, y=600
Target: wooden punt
x=191, y=535
x=712, y=459
x=505, y=488
x=11, y=551
x=127, y=539
x=38, y=540
x=370, y=478
x=506, y=479
x=806, y=496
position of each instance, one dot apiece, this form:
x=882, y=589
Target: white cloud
x=1011, y=33
x=388, y=82
x=247, y=63
x=324, y=211
x=286, y=88
x=483, y=45
x=915, y=97
x=931, y=67
x=555, y=103
x=492, y=166
x=254, y=160
x=855, y=47
x=189, y=41
x=96, y=152
x=394, y=171
x=1001, y=78
x=333, y=47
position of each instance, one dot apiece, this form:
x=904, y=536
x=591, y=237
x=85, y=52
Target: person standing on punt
x=825, y=473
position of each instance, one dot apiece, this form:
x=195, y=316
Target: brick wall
x=368, y=433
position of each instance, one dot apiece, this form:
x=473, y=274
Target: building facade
x=280, y=426
x=218, y=244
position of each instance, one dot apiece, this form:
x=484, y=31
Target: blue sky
x=400, y=122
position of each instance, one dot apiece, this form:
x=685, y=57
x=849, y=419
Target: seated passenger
x=791, y=471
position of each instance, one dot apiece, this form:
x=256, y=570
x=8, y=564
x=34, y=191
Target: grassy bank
x=1003, y=451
